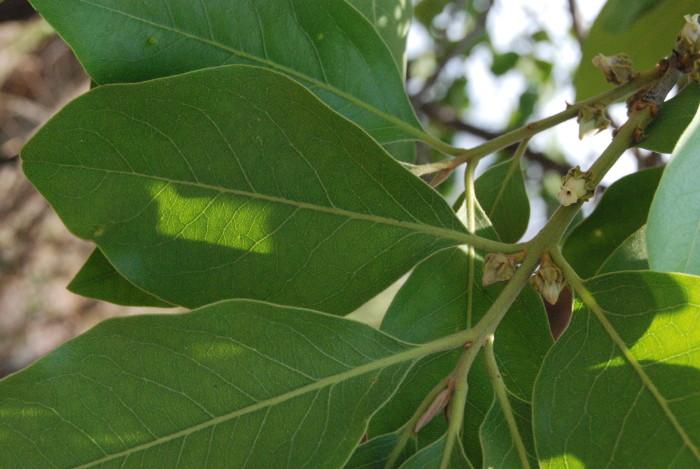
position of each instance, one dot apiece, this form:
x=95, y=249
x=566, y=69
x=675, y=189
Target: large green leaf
x=646, y=34
x=431, y=304
x=496, y=442
x=501, y=192
x=622, y=210
x=674, y=117
x=235, y=384
x=622, y=391
x=631, y=254
x=99, y=280
x=327, y=45
x=196, y=187
x=673, y=231
x=392, y=19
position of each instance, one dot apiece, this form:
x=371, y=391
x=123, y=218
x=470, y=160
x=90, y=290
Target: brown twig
x=576, y=22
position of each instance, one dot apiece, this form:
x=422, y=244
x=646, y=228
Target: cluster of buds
x=591, y=118
x=499, y=267
x=617, y=68
x=548, y=281
x=576, y=185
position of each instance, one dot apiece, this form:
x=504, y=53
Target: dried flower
x=576, y=185
x=548, y=281
x=592, y=118
x=617, y=68
x=498, y=268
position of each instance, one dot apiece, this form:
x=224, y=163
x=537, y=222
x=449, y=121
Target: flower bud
x=498, y=268
x=617, y=68
x=548, y=281
x=576, y=185
x=689, y=38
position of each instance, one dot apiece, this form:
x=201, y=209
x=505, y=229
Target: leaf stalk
x=501, y=392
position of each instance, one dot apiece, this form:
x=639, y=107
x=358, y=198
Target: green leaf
x=427, y=10
x=621, y=211
x=391, y=19
x=501, y=192
x=431, y=456
x=622, y=391
x=526, y=106
x=497, y=446
x=198, y=186
x=375, y=453
x=432, y=304
x=403, y=151
x=620, y=16
x=673, y=231
x=650, y=38
x=674, y=117
x=238, y=383
x=326, y=45
x=503, y=63
x=630, y=255
x=99, y=280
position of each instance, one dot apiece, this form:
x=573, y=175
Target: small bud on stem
x=499, y=267
x=592, y=118
x=576, y=185
x=548, y=281
x=617, y=68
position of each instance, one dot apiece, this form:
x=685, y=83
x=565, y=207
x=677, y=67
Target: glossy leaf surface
x=501, y=193
x=233, y=384
x=621, y=211
x=675, y=116
x=327, y=45
x=630, y=255
x=99, y=280
x=254, y=176
x=646, y=35
x=626, y=385
x=673, y=231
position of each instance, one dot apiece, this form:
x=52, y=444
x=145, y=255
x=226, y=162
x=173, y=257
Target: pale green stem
x=458, y=403
x=459, y=398
x=642, y=81
x=501, y=392
x=470, y=201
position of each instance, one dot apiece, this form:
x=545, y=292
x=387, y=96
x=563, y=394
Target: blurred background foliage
x=474, y=70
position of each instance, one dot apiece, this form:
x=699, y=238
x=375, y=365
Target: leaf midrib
x=418, y=133
x=445, y=233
